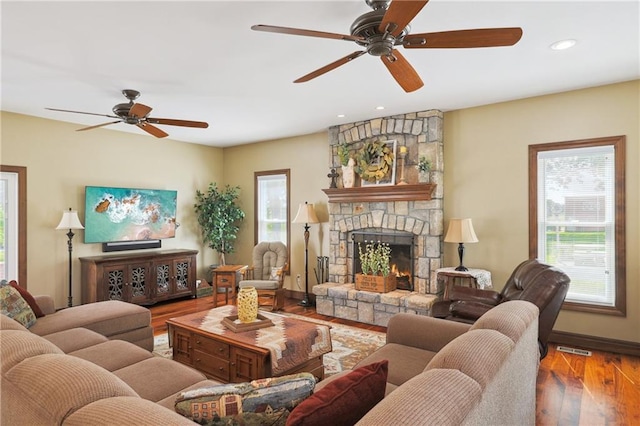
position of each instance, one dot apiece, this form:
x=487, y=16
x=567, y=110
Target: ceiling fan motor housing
x=376, y=43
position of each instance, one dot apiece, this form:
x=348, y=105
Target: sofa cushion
x=510, y=318
x=75, y=339
x=345, y=400
x=405, y=362
x=435, y=397
x=28, y=298
x=259, y=402
x=7, y=323
x=113, y=354
x=125, y=410
x=64, y=384
x=18, y=345
x=478, y=353
x=13, y=305
x=149, y=377
x=108, y=318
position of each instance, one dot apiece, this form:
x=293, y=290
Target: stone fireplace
x=413, y=211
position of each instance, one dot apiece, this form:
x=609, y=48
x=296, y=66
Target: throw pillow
x=28, y=298
x=275, y=274
x=344, y=401
x=260, y=402
x=14, y=306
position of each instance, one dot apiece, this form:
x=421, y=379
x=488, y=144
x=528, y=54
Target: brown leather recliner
x=541, y=284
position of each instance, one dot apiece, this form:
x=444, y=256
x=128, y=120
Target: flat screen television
x=129, y=214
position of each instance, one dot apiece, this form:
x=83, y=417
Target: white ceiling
x=201, y=61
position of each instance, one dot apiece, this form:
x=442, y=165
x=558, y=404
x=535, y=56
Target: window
x=272, y=206
x=577, y=217
x=13, y=224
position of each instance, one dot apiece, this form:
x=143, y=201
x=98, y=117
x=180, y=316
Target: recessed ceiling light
x=563, y=44
x=380, y=107
x=340, y=115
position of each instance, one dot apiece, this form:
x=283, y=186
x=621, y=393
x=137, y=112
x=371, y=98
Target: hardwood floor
x=601, y=389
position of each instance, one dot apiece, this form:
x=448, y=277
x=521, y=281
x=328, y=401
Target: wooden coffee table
x=291, y=346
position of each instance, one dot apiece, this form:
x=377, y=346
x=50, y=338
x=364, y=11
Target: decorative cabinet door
x=182, y=273
x=163, y=280
x=128, y=282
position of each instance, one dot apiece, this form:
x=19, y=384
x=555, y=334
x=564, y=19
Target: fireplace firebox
x=402, y=258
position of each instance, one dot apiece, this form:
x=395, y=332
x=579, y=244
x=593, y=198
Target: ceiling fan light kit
x=138, y=115
x=386, y=27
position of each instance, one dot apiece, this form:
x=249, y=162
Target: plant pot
x=376, y=283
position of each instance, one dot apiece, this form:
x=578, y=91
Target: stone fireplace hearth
x=414, y=209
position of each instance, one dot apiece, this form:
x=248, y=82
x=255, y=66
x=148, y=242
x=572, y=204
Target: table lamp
x=460, y=231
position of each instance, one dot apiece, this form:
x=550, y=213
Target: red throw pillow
x=28, y=298
x=344, y=401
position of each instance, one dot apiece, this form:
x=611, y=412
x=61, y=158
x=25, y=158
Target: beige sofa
x=79, y=377
x=448, y=373
x=113, y=319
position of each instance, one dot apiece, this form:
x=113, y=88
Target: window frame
x=618, y=143
x=21, y=173
x=256, y=217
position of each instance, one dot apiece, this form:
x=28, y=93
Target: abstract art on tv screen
x=128, y=214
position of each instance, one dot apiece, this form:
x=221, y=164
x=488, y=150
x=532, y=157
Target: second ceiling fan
x=387, y=26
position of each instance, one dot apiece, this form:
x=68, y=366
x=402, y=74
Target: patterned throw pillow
x=345, y=400
x=14, y=306
x=28, y=298
x=275, y=274
x=260, y=402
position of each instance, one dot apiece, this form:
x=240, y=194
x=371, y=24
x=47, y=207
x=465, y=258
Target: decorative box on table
x=376, y=283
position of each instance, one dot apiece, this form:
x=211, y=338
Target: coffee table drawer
x=211, y=365
x=211, y=346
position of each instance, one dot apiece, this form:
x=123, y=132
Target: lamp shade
x=306, y=214
x=70, y=220
x=460, y=231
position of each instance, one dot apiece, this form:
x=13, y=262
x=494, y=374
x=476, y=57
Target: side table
x=227, y=277
x=449, y=277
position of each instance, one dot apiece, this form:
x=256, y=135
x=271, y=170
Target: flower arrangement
x=375, y=258
x=424, y=165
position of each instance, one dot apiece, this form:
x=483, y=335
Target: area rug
x=350, y=345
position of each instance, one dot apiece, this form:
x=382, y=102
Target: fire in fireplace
x=401, y=244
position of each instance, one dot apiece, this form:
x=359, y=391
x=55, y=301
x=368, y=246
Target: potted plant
x=376, y=273
x=347, y=163
x=219, y=215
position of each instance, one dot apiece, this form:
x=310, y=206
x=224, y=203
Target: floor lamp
x=70, y=221
x=460, y=231
x=306, y=215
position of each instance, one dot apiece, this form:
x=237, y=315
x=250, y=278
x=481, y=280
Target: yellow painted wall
x=486, y=179
x=61, y=161
x=307, y=157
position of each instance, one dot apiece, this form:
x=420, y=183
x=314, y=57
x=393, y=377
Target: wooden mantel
x=377, y=193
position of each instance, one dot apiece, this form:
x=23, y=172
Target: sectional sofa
x=439, y=372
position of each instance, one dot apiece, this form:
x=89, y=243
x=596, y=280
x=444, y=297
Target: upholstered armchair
x=267, y=272
x=543, y=285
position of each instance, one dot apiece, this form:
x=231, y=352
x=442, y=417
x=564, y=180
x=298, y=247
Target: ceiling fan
x=137, y=114
x=387, y=26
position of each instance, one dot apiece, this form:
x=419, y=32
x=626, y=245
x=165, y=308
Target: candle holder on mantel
x=403, y=155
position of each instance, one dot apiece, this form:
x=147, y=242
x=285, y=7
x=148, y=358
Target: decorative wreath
x=374, y=161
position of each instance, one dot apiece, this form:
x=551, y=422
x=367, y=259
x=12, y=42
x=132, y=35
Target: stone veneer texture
x=421, y=133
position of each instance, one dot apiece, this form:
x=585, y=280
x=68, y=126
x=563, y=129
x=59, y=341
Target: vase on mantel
x=348, y=174
x=247, y=304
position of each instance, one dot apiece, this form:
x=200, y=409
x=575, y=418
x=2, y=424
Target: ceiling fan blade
x=152, y=130
x=139, y=111
x=303, y=32
x=485, y=37
x=173, y=122
x=98, y=125
x=331, y=66
x=402, y=71
x=82, y=112
x=399, y=14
